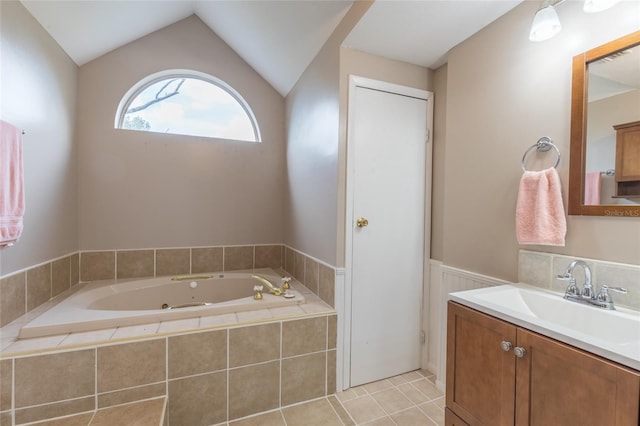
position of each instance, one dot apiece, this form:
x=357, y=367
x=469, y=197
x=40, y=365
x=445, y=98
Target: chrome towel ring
x=544, y=144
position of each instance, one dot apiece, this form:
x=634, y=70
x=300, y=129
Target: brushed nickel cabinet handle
x=506, y=346
x=519, y=351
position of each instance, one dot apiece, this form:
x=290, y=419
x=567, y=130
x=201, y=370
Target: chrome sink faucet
x=587, y=294
x=572, y=289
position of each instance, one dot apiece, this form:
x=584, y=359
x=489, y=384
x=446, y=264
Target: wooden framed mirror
x=604, y=168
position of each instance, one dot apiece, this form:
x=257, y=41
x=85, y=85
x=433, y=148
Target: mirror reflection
x=612, y=160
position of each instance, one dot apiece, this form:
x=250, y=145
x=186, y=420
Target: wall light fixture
x=546, y=22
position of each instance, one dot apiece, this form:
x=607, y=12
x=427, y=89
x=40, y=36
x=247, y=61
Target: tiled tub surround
x=213, y=369
x=26, y=290
x=108, y=304
x=540, y=269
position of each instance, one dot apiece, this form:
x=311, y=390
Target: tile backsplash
x=540, y=269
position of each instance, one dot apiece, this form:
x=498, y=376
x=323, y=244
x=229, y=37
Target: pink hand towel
x=11, y=184
x=540, y=215
x=592, y=184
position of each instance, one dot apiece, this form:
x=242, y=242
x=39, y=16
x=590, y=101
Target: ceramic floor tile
x=398, y=380
x=384, y=421
x=339, y=409
x=317, y=412
x=440, y=402
x=273, y=418
x=413, y=394
x=378, y=386
x=412, y=376
x=364, y=409
x=435, y=413
x=392, y=400
x=412, y=416
x=427, y=388
x=350, y=394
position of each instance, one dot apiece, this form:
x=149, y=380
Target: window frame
x=151, y=79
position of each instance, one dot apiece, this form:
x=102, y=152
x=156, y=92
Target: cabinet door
x=480, y=375
x=451, y=419
x=559, y=385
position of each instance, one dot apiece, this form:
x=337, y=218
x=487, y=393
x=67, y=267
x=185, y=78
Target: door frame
x=344, y=305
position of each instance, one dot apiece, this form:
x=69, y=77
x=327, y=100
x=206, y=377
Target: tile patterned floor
x=406, y=400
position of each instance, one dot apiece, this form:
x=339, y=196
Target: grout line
x=228, y=371
x=13, y=389
x=26, y=295
x=95, y=378
x=50, y=281
x=166, y=375
x=281, y=353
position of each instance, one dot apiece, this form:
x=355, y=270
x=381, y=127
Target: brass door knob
x=362, y=222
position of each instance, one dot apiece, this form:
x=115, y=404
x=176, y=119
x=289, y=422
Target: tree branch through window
x=159, y=95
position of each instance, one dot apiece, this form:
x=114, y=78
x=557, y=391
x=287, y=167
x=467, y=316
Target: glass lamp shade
x=592, y=6
x=545, y=25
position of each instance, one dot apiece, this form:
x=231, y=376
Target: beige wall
x=313, y=113
x=38, y=94
x=354, y=62
x=503, y=93
x=139, y=189
x=601, y=136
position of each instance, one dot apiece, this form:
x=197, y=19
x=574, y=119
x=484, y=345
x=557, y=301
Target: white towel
x=540, y=217
x=11, y=184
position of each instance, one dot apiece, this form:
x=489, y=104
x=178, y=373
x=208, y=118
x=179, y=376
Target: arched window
x=186, y=102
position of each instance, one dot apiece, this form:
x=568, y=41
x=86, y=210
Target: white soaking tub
x=109, y=304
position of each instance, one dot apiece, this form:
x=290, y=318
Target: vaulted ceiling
x=277, y=38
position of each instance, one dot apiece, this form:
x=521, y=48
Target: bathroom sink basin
x=613, y=334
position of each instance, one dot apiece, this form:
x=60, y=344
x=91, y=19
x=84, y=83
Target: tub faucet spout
x=272, y=288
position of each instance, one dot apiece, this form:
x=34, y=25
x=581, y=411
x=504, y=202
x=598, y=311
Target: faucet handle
x=285, y=283
x=572, y=288
x=603, y=294
x=564, y=277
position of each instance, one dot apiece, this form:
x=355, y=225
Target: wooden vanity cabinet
x=552, y=384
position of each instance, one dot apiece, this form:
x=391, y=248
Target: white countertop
x=614, y=335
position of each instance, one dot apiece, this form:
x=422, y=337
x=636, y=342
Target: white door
x=387, y=156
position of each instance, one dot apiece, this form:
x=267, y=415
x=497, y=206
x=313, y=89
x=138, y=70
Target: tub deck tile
x=177, y=325
x=136, y=331
x=213, y=320
x=36, y=344
x=258, y=315
x=287, y=311
x=316, y=308
x=86, y=337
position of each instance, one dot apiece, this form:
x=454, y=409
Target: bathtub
x=110, y=304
